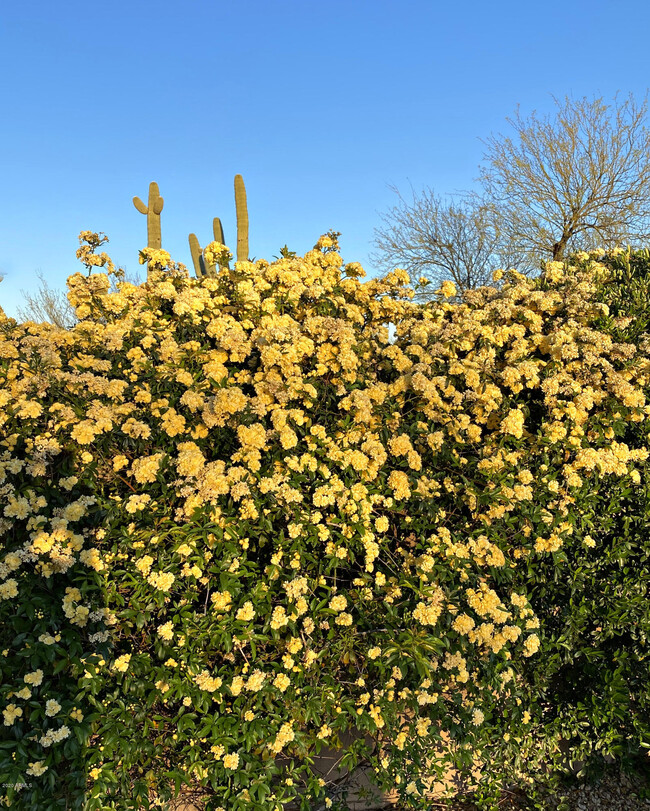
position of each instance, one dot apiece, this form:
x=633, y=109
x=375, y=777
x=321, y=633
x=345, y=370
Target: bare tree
x=52, y=306
x=573, y=181
x=47, y=305
x=438, y=240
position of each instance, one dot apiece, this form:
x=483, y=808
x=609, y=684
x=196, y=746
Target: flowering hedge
x=240, y=522
x=591, y=687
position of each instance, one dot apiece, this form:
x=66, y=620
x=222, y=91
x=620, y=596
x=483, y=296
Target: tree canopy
x=577, y=179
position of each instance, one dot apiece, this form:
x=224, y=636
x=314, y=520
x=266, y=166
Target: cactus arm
x=242, y=219
x=137, y=202
x=195, y=250
x=217, y=230
x=158, y=205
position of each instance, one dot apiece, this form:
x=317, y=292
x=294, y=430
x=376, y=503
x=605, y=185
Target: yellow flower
x=221, y=600
x=136, y=503
x=207, y=682
x=246, y=612
x=11, y=712
x=52, y=707
x=338, y=603
x=279, y=618
x=513, y=423
x=166, y=631
x=84, y=432
x=121, y=664
x=448, y=289
x=398, y=481
x=463, y=624
x=119, y=462
x=9, y=589
x=427, y=614
x=255, y=681
x=143, y=565
x=92, y=559
x=145, y=469
x=422, y=727
x=37, y=768
x=215, y=253
x=381, y=523
x=284, y=736
x=184, y=550
x=231, y=761
x=281, y=681
x=531, y=645
x=190, y=459
x=400, y=740
x=161, y=580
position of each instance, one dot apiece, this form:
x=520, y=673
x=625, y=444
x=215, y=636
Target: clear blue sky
x=320, y=106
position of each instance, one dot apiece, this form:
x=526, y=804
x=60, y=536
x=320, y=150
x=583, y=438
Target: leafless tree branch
x=437, y=239
x=573, y=181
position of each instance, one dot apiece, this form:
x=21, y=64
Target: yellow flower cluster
x=161, y=580
x=121, y=664
x=284, y=736
x=207, y=682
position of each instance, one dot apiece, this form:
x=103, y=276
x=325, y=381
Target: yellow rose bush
x=590, y=687
x=239, y=522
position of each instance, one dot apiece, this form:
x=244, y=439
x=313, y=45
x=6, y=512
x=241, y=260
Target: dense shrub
x=240, y=522
x=591, y=687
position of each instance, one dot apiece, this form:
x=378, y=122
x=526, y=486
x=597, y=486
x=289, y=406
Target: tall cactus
x=242, y=219
x=201, y=268
x=152, y=210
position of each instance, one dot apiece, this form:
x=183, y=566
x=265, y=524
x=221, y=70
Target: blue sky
x=320, y=106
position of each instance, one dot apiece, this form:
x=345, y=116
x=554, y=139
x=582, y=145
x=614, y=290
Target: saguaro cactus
x=152, y=210
x=242, y=219
x=200, y=266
